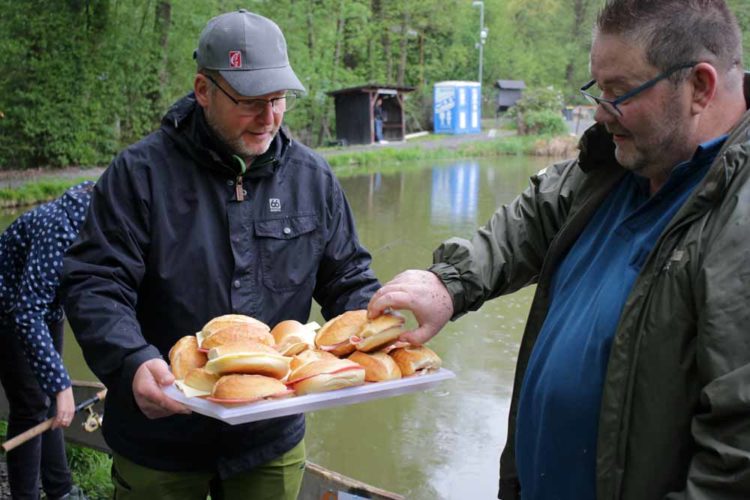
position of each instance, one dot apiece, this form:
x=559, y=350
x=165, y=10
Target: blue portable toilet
x=457, y=108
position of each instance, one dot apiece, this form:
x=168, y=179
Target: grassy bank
x=90, y=468
x=346, y=163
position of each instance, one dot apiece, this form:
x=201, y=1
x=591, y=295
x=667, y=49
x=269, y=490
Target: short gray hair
x=676, y=31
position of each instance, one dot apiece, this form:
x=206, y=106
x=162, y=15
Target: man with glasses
x=217, y=212
x=632, y=375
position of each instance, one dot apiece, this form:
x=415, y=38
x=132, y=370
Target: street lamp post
x=482, y=35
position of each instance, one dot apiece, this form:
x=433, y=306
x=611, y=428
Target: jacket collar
x=185, y=122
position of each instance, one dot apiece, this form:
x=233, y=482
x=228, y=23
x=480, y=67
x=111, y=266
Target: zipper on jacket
x=239, y=190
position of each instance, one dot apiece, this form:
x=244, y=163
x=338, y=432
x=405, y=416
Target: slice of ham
x=396, y=345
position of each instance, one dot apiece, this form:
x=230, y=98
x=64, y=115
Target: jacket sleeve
x=344, y=279
x=507, y=253
x=37, y=291
x=102, y=273
x=720, y=466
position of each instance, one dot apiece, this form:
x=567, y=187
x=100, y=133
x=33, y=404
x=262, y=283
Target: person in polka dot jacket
x=31, y=338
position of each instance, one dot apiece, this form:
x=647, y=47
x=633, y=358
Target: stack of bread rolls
x=237, y=359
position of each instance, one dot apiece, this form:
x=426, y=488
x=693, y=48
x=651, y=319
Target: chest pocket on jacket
x=289, y=251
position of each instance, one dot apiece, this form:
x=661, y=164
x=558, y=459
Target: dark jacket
x=675, y=416
x=167, y=246
x=31, y=261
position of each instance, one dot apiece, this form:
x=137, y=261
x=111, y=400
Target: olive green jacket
x=675, y=416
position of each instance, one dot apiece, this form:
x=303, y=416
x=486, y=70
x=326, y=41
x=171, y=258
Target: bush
x=539, y=112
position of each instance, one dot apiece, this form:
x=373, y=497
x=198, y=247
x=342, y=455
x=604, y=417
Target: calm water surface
x=444, y=443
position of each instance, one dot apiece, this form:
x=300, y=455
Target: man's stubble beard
x=235, y=144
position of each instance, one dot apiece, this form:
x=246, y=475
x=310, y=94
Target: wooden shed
x=508, y=92
x=355, y=118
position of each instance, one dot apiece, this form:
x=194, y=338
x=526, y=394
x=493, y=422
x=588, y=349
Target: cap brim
x=262, y=81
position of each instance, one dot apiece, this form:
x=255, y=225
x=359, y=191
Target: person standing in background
x=378, y=112
x=34, y=379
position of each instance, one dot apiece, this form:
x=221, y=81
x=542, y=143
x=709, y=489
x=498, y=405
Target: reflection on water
x=455, y=192
x=444, y=443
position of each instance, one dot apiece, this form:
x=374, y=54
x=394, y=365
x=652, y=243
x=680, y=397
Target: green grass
x=34, y=192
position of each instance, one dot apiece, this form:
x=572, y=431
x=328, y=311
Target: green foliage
x=83, y=79
x=36, y=192
x=539, y=112
x=91, y=471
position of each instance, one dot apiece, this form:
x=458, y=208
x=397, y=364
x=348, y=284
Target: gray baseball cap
x=249, y=51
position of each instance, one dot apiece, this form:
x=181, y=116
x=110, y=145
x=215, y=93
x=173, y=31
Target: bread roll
x=236, y=333
x=232, y=319
x=415, y=360
x=201, y=379
x=241, y=389
x=308, y=356
x=334, y=335
x=326, y=375
x=184, y=356
x=292, y=337
x=247, y=357
x=378, y=366
x=378, y=332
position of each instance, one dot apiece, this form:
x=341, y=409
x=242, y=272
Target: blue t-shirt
x=558, y=413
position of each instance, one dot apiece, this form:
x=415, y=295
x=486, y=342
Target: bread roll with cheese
x=184, y=356
x=326, y=375
x=201, y=379
x=247, y=357
x=292, y=337
x=416, y=360
x=334, y=335
x=378, y=366
x=378, y=332
x=241, y=389
x=309, y=356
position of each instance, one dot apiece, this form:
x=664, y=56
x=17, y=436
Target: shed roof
x=510, y=84
x=371, y=88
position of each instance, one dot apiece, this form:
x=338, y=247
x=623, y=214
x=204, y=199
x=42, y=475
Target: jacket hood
x=185, y=123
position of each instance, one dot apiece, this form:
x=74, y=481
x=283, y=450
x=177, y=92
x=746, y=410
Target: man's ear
x=704, y=80
x=201, y=87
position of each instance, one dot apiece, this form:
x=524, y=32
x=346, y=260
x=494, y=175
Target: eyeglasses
x=254, y=107
x=611, y=104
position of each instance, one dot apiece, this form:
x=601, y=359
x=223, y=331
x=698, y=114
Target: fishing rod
x=47, y=424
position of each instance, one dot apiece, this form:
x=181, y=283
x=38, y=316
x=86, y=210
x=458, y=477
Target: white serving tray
x=262, y=410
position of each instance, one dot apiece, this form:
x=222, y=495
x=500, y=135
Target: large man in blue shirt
x=632, y=377
x=31, y=338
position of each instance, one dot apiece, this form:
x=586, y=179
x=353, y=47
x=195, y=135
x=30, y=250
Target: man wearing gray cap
x=217, y=212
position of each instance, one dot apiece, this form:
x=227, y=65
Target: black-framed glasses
x=611, y=104
x=256, y=106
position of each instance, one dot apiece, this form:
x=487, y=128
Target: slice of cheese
x=312, y=325
x=201, y=338
x=189, y=391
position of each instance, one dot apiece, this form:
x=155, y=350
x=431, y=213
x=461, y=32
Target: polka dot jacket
x=31, y=260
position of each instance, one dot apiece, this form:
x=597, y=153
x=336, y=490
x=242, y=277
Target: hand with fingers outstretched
x=420, y=292
x=148, y=382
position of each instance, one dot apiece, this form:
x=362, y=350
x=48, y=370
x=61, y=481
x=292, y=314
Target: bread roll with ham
x=232, y=390
x=334, y=335
x=378, y=332
x=378, y=366
x=326, y=375
x=416, y=360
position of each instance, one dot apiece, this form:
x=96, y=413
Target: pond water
x=443, y=443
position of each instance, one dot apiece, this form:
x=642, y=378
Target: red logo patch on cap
x=235, y=59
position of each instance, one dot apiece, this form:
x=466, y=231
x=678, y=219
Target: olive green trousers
x=279, y=479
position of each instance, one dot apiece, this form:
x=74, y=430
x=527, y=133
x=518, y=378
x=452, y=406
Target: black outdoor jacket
x=166, y=246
